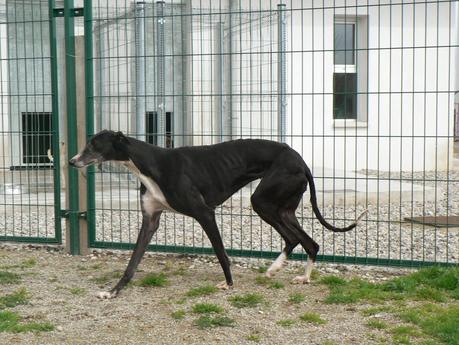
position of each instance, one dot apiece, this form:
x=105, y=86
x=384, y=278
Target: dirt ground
x=62, y=291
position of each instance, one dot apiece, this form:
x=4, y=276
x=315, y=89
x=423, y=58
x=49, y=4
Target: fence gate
x=30, y=190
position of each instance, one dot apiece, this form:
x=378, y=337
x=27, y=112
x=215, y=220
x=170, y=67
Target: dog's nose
x=72, y=162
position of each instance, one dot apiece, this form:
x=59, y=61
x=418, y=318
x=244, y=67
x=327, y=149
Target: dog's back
x=219, y=170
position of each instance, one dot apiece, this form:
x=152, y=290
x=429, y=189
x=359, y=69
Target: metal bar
x=281, y=71
x=140, y=69
x=72, y=143
x=160, y=72
x=219, y=83
x=55, y=124
x=89, y=81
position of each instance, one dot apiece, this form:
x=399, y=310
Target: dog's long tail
x=312, y=190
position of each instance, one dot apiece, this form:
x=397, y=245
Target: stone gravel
x=142, y=315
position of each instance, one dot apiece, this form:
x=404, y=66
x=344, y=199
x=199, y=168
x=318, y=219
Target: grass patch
x=405, y=331
x=268, y=282
x=357, y=290
x=433, y=284
x=77, y=291
x=296, y=298
x=286, y=323
x=254, y=337
x=333, y=281
x=312, y=318
x=29, y=263
x=202, y=291
x=428, y=293
x=262, y=280
x=154, y=279
x=19, y=297
x=246, y=301
x=181, y=271
x=207, y=308
x=107, y=277
x=11, y=322
x=276, y=285
x=213, y=321
x=178, y=314
x=439, y=322
x=9, y=277
x=262, y=269
x=377, y=324
x=180, y=301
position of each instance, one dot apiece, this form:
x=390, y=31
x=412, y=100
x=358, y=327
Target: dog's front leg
x=149, y=226
x=207, y=221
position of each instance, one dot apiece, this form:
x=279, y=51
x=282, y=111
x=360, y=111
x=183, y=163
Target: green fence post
x=89, y=81
x=55, y=124
x=72, y=143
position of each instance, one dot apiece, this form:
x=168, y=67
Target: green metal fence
x=358, y=89
x=29, y=149
x=364, y=91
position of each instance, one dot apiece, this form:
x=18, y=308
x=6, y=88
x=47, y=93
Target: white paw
x=301, y=280
x=269, y=274
x=106, y=295
x=223, y=286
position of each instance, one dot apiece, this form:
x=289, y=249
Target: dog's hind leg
x=150, y=224
x=280, y=260
x=275, y=200
x=268, y=211
x=207, y=221
x=309, y=245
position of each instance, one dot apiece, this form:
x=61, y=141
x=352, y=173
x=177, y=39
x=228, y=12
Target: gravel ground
x=142, y=315
x=382, y=234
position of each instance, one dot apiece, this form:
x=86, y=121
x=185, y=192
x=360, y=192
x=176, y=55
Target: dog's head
x=104, y=146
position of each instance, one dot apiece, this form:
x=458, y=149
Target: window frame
x=346, y=68
x=30, y=156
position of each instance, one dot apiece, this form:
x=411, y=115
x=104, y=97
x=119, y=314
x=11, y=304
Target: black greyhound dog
x=194, y=180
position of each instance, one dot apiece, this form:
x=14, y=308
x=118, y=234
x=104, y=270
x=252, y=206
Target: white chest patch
x=153, y=200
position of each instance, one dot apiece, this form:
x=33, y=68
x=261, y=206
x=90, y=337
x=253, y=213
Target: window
x=36, y=137
x=345, y=73
x=151, y=137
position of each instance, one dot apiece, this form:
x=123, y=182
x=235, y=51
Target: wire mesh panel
x=364, y=91
x=27, y=124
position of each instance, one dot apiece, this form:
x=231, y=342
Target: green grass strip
x=11, y=322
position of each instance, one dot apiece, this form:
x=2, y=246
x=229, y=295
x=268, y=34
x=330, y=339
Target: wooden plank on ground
x=438, y=221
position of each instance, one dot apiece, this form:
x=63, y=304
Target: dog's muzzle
x=72, y=162
x=77, y=162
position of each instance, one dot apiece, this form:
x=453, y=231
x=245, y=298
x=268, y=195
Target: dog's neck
x=154, y=200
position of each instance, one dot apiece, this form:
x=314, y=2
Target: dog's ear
x=120, y=140
x=121, y=137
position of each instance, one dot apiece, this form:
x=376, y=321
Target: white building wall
x=410, y=87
